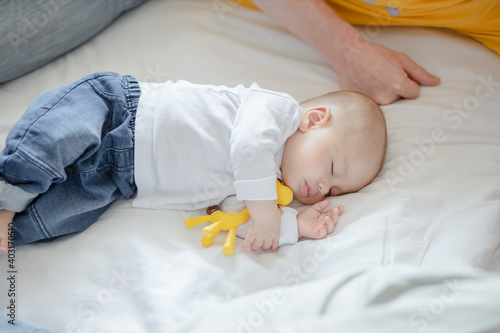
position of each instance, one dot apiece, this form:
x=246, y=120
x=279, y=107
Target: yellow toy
x=231, y=221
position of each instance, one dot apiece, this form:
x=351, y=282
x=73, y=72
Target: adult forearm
x=317, y=24
x=381, y=73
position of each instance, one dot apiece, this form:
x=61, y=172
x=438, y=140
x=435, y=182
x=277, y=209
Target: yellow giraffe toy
x=231, y=221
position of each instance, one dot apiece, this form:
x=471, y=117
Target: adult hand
x=381, y=73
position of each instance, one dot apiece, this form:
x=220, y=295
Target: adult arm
x=379, y=72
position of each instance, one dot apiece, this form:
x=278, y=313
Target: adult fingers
x=417, y=73
x=406, y=88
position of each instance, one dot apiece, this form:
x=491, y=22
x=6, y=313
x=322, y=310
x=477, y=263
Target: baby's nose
x=323, y=187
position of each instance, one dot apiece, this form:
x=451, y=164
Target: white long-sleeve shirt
x=198, y=144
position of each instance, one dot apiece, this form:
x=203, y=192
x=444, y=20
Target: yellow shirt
x=479, y=19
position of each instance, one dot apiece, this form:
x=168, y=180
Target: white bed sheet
x=384, y=299
x=435, y=204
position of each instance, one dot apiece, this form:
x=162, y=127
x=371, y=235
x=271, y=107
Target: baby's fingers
x=257, y=244
x=248, y=241
x=267, y=244
x=323, y=229
x=276, y=244
x=330, y=224
x=336, y=213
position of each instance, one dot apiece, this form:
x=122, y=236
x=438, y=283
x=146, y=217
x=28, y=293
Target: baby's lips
x=303, y=190
x=306, y=190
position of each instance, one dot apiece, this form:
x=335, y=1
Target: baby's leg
x=6, y=217
x=73, y=147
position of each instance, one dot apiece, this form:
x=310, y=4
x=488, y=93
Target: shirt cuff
x=289, y=229
x=258, y=189
x=14, y=198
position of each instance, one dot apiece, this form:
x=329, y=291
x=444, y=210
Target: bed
x=417, y=250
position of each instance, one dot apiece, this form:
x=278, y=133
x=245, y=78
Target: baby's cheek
x=334, y=191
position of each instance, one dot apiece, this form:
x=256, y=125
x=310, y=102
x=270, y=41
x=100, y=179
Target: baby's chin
x=307, y=201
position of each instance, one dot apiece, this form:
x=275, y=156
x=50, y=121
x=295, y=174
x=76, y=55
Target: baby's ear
x=315, y=118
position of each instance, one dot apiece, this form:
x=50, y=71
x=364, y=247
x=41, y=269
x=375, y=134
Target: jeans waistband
x=133, y=93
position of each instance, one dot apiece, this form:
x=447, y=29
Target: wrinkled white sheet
x=435, y=204
x=384, y=299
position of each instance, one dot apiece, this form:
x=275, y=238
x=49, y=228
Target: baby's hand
x=316, y=224
x=264, y=230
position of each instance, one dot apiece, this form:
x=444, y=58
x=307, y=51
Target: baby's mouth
x=306, y=191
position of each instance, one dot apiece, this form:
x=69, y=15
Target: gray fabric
x=33, y=33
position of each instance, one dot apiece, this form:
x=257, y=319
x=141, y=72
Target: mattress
x=432, y=213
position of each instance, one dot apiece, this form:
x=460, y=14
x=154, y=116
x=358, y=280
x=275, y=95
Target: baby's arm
x=264, y=231
x=313, y=222
x=316, y=224
x=6, y=217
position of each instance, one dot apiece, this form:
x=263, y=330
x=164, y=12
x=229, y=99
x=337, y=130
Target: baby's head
x=338, y=148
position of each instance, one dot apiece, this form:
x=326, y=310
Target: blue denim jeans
x=74, y=146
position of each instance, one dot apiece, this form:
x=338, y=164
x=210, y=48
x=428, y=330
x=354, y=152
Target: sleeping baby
x=178, y=145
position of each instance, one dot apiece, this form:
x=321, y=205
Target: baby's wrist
x=263, y=209
x=299, y=220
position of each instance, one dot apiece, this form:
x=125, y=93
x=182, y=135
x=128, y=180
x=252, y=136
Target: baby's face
x=328, y=161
